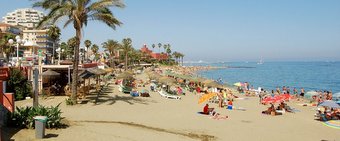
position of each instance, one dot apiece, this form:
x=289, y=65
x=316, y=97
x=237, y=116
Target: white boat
x=260, y=62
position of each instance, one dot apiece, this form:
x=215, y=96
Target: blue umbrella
x=329, y=103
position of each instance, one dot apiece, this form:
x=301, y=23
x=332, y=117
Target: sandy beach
x=120, y=117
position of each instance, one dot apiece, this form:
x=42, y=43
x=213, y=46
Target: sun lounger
x=166, y=95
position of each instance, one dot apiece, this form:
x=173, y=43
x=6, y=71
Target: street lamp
x=59, y=50
x=18, y=41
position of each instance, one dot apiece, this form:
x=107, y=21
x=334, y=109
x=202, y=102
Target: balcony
x=42, y=36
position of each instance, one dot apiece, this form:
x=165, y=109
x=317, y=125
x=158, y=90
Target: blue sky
x=224, y=30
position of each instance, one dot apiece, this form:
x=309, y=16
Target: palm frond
x=105, y=3
x=68, y=22
x=47, y=4
x=108, y=19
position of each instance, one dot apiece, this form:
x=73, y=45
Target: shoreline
x=118, y=116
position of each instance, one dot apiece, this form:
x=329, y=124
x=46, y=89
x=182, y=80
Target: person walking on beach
x=278, y=90
x=295, y=92
x=302, y=94
x=288, y=90
x=284, y=90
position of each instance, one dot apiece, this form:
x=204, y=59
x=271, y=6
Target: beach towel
x=332, y=123
x=239, y=108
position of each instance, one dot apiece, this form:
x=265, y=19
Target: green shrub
x=18, y=84
x=69, y=101
x=23, y=116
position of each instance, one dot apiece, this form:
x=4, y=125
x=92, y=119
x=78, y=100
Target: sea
x=269, y=75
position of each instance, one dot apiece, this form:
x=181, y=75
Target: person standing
x=295, y=92
x=302, y=94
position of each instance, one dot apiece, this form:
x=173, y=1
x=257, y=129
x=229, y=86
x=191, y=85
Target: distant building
x=7, y=28
x=39, y=37
x=26, y=17
x=156, y=56
x=26, y=20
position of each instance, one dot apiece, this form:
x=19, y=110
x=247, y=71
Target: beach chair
x=166, y=95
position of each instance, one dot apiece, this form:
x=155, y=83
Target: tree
x=181, y=56
x=87, y=43
x=126, y=47
x=64, y=47
x=54, y=33
x=135, y=56
x=5, y=47
x=176, y=55
x=153, y=47
x=159, y=46
x=78, y=13
x=168, y=51
x=18, y=84
x=71, y=44
x=111, y=46
x=94, y=50
x=165, y=46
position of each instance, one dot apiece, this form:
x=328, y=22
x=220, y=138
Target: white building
x=40, y=38
x=26, y=17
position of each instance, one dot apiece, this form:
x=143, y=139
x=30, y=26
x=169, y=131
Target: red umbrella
x=275, y=99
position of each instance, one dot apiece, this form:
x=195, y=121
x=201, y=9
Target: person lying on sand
x=271, y=111
x=218, y=116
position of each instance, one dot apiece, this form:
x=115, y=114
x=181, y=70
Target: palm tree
x=78, y=13
x=94, y=50
x=168, y=51
x=182, y=56
x=71, y=44
x=54, y=33
x=126, y=47
x=165, y=46
x=176, y=55
x=153, y=47
x=87, y=43
x=64, y=47
x=159, y=46
x=111, y=46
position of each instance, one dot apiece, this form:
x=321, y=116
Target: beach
x=120, y=117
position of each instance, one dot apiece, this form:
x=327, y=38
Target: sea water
x=269, y=75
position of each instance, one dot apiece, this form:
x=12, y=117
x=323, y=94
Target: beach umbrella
x=310, y=94
x=167, y=80
x=125, y=75
x=207, y=81
x=336, y=96
x=206, y=97
x=238, y=84
x=275, y=99
x=330, y=104
x=50, y=73
x=108, y=70
x=214, y=84
x=197, y=79
x=180, y=80
x=153, y=75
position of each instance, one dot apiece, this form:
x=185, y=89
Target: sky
x=223, y=30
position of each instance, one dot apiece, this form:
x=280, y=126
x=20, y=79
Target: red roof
x=158, y=56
